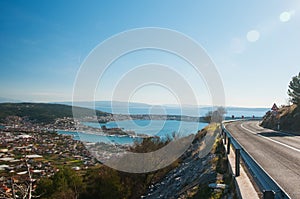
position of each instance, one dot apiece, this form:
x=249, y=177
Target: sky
x=254, y=45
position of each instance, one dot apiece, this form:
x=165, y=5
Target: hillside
x=47, y=113
x=198, y=167
x=42, y=112
x=287, y=116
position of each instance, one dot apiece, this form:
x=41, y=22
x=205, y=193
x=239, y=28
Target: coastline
x=169, y=128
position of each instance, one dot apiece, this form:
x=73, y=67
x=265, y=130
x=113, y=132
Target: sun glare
x=286, y=16
x=253, y=36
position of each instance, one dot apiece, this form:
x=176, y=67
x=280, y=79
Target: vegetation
x=103, y=182
x=220, y=159
x=294, y=89
x=149, y=144
x=215, y=116
x=65, y=184
x=220, y=164
x=42, y=112
x=100, y=181
x=287, y=117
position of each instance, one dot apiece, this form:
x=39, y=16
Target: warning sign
x=274, y=107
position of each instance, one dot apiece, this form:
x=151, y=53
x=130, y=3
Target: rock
x=218, y=186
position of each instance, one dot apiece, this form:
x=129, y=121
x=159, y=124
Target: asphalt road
x=278, y=153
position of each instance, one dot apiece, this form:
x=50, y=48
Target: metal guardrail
x=265, y=182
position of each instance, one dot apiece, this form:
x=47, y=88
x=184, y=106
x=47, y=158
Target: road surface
x=278, y=153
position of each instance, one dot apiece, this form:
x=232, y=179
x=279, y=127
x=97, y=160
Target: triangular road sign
x=274, y=107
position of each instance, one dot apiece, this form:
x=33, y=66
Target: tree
x=215, y=116
x=103, y=183
x=45, y=187
x=64, y=184
x=294, y=89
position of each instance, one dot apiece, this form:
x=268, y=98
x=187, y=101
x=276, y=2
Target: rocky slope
x=200, y=165
x=288, y=118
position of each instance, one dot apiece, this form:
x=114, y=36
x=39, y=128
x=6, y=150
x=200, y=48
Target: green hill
x=42, y=112
x=287, y=116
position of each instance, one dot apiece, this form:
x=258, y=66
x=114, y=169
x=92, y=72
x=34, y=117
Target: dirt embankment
x=287, y=118
x=197, y=169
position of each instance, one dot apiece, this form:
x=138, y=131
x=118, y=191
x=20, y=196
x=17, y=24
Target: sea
x=189, y=111
x=161, y=128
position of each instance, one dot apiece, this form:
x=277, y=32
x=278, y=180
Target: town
x=28, y=153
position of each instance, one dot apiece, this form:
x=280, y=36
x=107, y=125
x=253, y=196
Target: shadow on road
x=277, y=134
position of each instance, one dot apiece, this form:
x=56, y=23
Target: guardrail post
x=228, y=146
x=268, y=194
x=237, y=162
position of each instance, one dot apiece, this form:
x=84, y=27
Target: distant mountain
x=135, y=108
x=42, y=112
x=107, y=104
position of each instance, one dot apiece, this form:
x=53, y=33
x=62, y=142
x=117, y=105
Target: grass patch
x=212, y=127
x=220, y=164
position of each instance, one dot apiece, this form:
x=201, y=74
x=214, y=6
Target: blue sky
x=255, y=45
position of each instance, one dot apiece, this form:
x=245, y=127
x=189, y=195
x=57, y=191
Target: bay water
x=160, y=128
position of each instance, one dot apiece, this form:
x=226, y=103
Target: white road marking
x=275, y=141
x=257, y=124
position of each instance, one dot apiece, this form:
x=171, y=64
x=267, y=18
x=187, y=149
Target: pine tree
x=294, y=89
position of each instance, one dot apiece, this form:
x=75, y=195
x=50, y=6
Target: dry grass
x=285, y=110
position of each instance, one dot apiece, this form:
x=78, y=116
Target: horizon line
x=9, y=100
